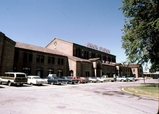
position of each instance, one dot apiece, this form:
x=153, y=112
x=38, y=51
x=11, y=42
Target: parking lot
x=91, y=98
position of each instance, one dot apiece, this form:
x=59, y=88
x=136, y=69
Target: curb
x=144, y=96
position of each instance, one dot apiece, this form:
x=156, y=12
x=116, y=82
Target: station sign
x=90, y=45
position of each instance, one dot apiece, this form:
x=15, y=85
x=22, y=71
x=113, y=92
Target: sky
x=38, y=22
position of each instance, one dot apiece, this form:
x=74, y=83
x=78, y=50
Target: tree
x=141, y=31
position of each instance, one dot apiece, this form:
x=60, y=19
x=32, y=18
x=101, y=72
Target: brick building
x=39, y=61
x=137, y=70
x=7, y=47
x=60, y=57
x=84, y=61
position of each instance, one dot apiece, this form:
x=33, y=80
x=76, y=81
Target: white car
x=99, y=79
x=36, y=80
x=91, y=79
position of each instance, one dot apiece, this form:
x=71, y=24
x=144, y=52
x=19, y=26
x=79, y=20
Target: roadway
x=91, y=98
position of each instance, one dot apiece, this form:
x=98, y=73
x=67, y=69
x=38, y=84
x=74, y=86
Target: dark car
x=70, y=81
x=65, y=81
x=54, y=80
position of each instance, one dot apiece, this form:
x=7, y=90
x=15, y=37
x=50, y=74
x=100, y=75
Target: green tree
x=140, y=38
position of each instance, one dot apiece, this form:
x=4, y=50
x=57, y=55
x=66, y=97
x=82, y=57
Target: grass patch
x=149, y=90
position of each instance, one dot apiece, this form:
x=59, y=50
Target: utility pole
x=158, y=93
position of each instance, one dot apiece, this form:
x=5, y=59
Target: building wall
x=84, y=69
x=1, y=51
x=136, y=70
x=109, y=70
x=32, y=67
x=6, y=54
x=80, y=51
x=25, y=60
x=72, y=67
x=62, y=46
x=87, y=53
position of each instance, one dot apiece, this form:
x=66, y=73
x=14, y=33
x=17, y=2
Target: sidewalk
x=148, y=81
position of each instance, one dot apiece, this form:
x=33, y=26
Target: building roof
x=77, y=59
x=58, y=39
x=94, y=59
x=8, y=39
x=78, y=45
x=134, y=65
x=37, y=48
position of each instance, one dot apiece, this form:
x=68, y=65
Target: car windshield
x=20, y=75
x=63, y=77
x=50, y=78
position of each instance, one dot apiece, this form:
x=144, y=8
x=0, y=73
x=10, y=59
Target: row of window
x=28, y=57
x=86, y=55
x=40, y=71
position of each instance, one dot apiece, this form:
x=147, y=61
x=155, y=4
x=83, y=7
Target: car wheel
x=9, y=83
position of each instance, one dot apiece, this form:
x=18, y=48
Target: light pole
x=158, y=92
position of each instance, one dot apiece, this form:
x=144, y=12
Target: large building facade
x=85, y=61
x=60, y=57
x=7, y=47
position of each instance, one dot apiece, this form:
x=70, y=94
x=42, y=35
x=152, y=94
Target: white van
x=17, y=78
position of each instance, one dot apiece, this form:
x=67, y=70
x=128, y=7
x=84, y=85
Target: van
x=17, y=78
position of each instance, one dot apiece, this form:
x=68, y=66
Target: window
x=39, y=72
x=51, y=60
x=78, y=52
x=60, y=61
x=86, y=55
x=27, y=57
x=92, y=55
x=16, y=55
x=87, y=74
x=40, y=58
x=27, y=70
x=50, y=71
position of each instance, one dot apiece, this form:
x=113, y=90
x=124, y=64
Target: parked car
x=70, y=81
x=121, y=79
x=99, y=79
x=130, y=79
x=36, y=80
x=79, y=79
x=54, y=80
x=66, y=81
x=108, y=79
x=91, y=79
x=73, y=78
x=82, y=79
x=10, y=78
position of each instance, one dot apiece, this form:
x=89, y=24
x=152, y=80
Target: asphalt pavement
x=91, y=98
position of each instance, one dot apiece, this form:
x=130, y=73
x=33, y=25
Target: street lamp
x=158, y=92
